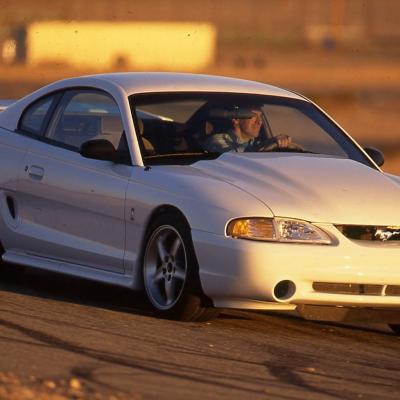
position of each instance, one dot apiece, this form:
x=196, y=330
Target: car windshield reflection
x=186, y=127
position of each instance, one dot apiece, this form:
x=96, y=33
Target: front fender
x=394, y=178
x=206, y=203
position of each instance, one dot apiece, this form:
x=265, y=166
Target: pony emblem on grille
x=390, y=233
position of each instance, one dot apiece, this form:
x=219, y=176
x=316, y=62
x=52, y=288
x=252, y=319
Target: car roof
x=5, y=103
x=148, y=82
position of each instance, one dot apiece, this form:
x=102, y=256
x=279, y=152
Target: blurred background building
x=102, y=45
x=233, y=32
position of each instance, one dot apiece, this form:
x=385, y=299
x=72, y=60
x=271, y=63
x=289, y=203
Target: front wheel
x=170, y=272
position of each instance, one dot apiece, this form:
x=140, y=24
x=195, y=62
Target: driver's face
x=250, y=127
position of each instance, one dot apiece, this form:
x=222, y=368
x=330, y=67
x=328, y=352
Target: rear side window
x=34, y=118
x=85, y=115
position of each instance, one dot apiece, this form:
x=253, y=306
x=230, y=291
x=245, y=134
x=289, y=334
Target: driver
x=242, y=135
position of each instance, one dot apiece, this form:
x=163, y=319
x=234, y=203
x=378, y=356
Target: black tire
x=395, y=328
x=170, y=272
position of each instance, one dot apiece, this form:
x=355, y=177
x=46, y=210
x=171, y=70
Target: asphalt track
x=55, y=327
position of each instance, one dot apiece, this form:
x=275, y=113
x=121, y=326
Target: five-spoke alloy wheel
x=170, y=271
x=165, y=267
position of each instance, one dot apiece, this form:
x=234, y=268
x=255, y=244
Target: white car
x=203, y=191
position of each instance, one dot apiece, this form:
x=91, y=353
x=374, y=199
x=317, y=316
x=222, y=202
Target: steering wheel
x=290, y=147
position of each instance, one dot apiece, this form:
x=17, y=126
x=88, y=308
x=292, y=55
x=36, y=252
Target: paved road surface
x=54, y=327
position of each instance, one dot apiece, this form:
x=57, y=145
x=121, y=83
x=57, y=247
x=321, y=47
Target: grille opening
x=348, y=288
x=393, y=290
x=360, y=289
x=11, y=206
x=369, y=232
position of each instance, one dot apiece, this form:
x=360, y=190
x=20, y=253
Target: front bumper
x=238, y=273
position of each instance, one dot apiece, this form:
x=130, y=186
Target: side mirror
x=376, y=155
x=99, y=149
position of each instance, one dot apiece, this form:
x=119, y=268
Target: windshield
x=176, y=128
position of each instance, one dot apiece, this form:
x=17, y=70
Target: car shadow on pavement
x=46, y=284
x=291, y=318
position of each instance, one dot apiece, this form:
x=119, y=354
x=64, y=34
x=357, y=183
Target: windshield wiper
x=180, y=158
x=204, y=154
x=289, y=150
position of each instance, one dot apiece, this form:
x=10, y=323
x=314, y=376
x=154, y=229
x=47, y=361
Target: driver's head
x=249, y=128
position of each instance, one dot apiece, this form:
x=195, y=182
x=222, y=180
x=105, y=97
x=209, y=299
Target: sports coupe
x=204, y=192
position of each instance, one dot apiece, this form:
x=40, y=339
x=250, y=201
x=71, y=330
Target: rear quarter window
x=34, y=117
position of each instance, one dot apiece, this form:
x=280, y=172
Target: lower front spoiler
x=348, y=314
x=248, y=274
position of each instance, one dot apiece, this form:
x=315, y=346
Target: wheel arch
x=160, y=210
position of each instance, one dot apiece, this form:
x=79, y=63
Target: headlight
x=277, y=230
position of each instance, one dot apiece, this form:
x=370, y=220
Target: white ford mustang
x=202, y=191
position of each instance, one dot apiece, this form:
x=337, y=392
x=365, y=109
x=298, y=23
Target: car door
x=73, y=207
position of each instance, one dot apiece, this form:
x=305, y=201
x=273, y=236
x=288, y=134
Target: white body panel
x=72, y=208
x=311, y=187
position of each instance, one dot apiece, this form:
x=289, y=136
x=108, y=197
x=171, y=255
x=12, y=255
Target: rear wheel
x=170, y=272
x=395, y=328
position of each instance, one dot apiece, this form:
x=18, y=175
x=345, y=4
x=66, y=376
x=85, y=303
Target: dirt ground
x=13, y=388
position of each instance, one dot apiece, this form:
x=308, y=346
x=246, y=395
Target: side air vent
x=393, y=290
x=11, y=206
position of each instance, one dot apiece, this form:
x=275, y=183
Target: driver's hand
x=283, y=141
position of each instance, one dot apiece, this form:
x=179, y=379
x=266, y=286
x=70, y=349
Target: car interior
x=169, y=136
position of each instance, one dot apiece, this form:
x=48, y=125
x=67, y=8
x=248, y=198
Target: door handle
x=35, y=172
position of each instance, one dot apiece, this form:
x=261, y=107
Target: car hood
x=311, y=187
